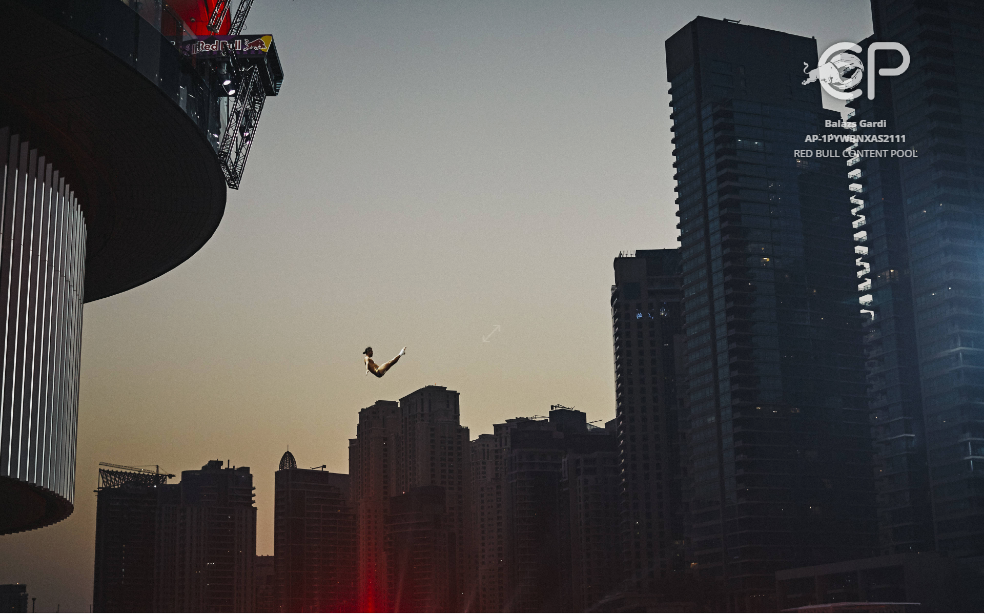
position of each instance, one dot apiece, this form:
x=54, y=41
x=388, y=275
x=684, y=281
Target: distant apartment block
x=315, y=540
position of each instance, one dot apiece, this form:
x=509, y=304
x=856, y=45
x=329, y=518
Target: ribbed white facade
x=42, y=267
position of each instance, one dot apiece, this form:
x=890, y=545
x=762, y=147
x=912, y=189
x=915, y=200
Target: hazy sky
x=429, y=171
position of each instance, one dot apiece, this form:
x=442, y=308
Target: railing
x=164, y=20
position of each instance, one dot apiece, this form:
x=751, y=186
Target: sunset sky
x=430, y=170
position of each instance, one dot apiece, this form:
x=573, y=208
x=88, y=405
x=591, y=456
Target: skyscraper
x=314, y=540
x=590, y=497
x=206, y=542
x=560, y=512
x=885, y=293
x=646, y=332
x=399, y=448
x=533, y=515
x=420, y=547
x=922, y=229
x=433, y=450
x=126, y=533
x=488, y=532
x=371, y=468
x=778, y=450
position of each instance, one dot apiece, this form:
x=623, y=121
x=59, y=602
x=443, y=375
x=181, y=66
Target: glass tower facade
x=929, y=271
x=646, y=339
x=895, y=402
x=778, y=451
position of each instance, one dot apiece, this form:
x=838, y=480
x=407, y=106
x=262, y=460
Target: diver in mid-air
x=372, y=367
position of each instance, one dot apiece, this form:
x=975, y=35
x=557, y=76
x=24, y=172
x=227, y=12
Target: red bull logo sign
x=222, y=45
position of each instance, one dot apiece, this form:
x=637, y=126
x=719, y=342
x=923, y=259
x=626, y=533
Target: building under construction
x=127, y=503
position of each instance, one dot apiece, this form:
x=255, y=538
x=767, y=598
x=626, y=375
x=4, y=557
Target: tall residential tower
x=778, y=448
x=922, y=228
x=647, y=341
x=314, y=540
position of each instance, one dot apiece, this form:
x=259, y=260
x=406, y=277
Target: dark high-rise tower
x=646, y=333
x=126, y=534
x=433, y=450
x=314, y=540
x=533, y=515
x=923, y=233
x=371, y=468
x=885, y=293
x=561, y=512
x=397, y=449
x=488, y=532
x=206, y=542
x=778, y=448
x=420, y=547
x=592, y=560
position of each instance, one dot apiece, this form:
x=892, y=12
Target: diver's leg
x=386, y=366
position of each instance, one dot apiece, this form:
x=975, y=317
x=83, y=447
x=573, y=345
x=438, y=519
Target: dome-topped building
x=287, y=461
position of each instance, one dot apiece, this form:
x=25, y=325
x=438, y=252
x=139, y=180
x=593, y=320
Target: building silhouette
x=534, y=453
x=647, y=345
x=134, y=188
x=13, y=598
x=921, y=226
x=371, y=469
x=593, y=560
x=778, y=452
x=314, y=540
x=398, y=448
x=433, y=450
x=488, y=531
x=421, y=551
x=265, y=583
x=895, y=402
x=560, y=513
x=126, y=534
x=187, y=547
x=206, y=542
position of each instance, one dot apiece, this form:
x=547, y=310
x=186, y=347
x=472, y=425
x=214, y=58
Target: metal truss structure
x=122, y=475
x=110, y=478
x=244, y=108
x=245, y=70
x=241, y=123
